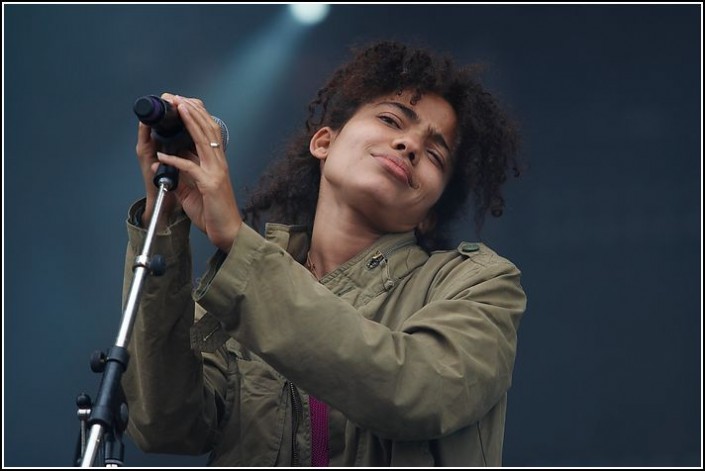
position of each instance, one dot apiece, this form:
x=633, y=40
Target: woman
x=339, y=339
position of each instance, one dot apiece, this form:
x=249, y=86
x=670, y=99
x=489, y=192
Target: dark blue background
x=605, y=225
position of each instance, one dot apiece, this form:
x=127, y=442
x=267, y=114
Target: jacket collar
x=369, y=273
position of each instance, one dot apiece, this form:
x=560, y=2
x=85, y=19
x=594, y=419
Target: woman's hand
x=146, y=150
x=205, y=191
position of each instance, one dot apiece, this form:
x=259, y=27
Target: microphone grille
x=224, y=134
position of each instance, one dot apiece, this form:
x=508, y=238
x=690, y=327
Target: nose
x=407, y=146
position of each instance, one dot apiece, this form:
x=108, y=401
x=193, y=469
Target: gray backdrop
x=606, y=224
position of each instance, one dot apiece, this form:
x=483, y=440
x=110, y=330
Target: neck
x=339, y=233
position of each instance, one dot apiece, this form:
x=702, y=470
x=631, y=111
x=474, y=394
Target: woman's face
x=390, y=162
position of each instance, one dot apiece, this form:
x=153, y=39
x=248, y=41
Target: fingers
x=145, y=147
x=206, y=130
x=143, y=134
x=178, y=162
x=208, y=179
x=176, y=99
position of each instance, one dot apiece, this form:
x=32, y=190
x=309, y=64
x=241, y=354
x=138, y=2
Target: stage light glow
x=309, y=13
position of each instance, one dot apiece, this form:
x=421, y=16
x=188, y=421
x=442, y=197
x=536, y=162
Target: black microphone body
x=168, y=130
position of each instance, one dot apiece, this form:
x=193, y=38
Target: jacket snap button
x=470, y=247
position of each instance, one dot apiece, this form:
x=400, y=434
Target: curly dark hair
x=485, y=153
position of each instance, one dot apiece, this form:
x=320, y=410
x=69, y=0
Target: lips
x=396, y=166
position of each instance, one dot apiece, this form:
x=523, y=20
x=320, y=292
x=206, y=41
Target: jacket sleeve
x=445, y=367
x=172, y=407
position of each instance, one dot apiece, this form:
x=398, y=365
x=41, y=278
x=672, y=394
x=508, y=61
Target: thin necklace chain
x=311, y=266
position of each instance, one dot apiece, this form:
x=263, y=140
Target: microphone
x=167, y=128
x=170, y=134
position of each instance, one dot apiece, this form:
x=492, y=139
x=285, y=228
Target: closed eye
x=390, y=120
x=436, y=157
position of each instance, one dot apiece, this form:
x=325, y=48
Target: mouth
x=396, y=167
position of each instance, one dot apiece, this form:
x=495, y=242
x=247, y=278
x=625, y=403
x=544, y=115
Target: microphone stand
x=107, y=417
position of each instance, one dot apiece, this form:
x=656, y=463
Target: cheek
x=339, y=168
x=435, y=183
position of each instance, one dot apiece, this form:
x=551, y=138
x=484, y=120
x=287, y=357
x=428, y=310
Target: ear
x=321, y=142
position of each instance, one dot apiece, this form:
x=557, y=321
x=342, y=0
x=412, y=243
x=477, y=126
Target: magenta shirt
x=319, y=432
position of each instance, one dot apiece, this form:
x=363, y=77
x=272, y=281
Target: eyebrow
x=413, y=116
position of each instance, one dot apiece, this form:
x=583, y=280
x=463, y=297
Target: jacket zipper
x=295, y=416
x=380, y=257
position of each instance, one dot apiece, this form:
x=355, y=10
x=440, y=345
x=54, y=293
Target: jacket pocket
x=253, y=434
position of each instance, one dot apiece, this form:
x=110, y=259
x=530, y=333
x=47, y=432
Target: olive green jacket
x=412, y=352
